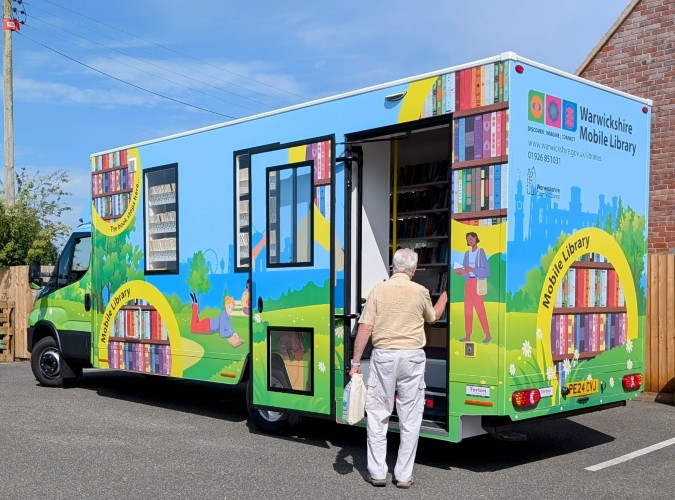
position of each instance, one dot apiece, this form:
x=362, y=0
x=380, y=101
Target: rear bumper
x=503, y=423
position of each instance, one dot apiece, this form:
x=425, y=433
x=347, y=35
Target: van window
x=289, y=215
x=74, y=261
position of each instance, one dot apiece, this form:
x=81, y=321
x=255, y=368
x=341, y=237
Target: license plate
x=583, y=388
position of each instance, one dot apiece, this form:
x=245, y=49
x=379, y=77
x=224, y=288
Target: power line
x=159, y=66
x=124, y=81
x=142, y=70
x=180, y=53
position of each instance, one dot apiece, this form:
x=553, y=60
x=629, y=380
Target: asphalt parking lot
x=126, y=436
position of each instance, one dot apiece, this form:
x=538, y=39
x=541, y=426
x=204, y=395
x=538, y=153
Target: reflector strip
x=228, y=375
x=478, y=403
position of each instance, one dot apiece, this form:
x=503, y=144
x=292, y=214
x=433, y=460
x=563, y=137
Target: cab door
x=292, y=238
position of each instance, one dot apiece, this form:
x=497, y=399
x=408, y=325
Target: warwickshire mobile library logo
x=552, y=111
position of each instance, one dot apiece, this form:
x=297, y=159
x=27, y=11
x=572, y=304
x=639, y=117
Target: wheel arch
x=42, y=329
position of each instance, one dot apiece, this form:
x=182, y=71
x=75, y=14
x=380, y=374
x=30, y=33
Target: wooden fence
x=660, y=343
x=15, y=290
x=6, y=330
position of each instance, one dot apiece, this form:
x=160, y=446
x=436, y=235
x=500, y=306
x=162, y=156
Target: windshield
x=74, y=260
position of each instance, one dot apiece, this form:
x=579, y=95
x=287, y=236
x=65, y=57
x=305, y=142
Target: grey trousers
x=400, y=371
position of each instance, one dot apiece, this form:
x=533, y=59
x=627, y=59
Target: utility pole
x=8, y=94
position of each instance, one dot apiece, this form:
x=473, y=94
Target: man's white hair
x=405, y=261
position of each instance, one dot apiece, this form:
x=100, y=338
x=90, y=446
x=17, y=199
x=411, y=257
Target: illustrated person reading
x=394, y=317
x=221, y=324
x=474, y=268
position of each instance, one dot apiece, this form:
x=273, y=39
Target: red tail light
x=632, y=382
x=525, y=398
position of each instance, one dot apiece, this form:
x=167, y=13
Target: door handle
x=87, y=301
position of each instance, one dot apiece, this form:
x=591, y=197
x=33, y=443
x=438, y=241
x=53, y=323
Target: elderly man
x=394, y=315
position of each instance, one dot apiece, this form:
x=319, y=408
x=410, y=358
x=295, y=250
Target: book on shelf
x=586, y=333
x=169, y=187
x=478, y=188
x=450, y=96
x=505, y=81
x=484, y=221
x=479, y=136
x=162, y=244
x=499, y=132
x=476, y=81
x=462, y=140
x=422, y=226
x=582, y=287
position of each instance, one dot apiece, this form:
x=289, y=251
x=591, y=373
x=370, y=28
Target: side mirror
x=35, y=275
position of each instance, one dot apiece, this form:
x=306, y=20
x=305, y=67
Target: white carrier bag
x=354, y=400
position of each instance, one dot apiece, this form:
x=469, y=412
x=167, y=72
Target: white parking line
x=630, y=456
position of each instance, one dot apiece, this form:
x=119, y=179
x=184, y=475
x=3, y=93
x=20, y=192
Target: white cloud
x=30, y=90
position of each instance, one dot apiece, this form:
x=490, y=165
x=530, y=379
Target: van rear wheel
x=46, y=363
x=270, y=421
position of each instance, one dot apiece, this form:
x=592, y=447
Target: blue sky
x=237, y=59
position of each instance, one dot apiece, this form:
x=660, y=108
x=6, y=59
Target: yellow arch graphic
x=413, y=102
x=492, y=238
x=140, y=290
x=589, y=240
x=113, y=228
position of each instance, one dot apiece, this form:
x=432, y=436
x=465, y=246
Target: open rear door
x=291, y=276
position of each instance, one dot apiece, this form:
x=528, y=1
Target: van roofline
x=504, y=56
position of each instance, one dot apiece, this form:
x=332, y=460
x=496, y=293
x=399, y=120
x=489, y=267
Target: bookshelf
x=420, y=221
x=111, y=184
x=589, y=314
x=479, y=164
x=421, y=212
x=161, y=210
x=461, y=91
x=139, y=340
x=243, y=210
x=273, y=220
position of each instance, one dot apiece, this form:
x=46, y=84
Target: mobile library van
x=241, y=252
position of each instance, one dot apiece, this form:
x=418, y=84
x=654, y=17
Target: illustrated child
x=221, y=324
x=475, y=266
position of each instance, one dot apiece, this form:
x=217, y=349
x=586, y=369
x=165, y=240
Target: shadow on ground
x=538, y=441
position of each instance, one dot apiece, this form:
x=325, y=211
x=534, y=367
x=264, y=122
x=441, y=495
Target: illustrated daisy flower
x=589, y=377
x=629, y=346
x=629, y=364
x=539, y=334
x=322, y=366
x=257, y=318
x=611, y=381
x=527, y=349
x=567, y=366
x=339, y=332
x=512, y=369
x=576, y=355
x=550, y=372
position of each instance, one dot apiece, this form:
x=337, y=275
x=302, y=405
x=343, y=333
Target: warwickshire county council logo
x=551, y=110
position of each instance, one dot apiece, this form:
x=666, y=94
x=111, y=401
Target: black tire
x=269, y=421
x=46, y=362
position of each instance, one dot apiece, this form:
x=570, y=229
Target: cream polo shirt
x=397, y=310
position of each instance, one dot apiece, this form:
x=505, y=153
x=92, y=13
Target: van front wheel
x=46, y=363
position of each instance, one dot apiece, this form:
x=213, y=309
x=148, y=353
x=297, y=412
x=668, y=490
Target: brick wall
x=640, y=59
